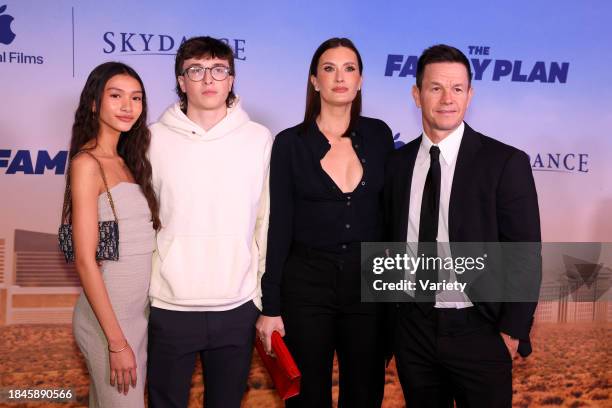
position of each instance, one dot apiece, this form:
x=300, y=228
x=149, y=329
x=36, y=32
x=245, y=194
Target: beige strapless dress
x=127, y=283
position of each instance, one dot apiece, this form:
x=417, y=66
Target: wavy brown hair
x=203, y=47
x=133, y=144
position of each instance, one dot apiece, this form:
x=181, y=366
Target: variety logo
x=484, y=67
x=157, y=44
x=6, y=34
x=21, y=162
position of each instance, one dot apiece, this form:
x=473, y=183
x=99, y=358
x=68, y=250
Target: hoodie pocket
x=197, y=268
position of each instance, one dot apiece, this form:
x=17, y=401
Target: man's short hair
x=203, y=47
x=441, y=53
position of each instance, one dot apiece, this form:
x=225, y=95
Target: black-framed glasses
x=196, y=73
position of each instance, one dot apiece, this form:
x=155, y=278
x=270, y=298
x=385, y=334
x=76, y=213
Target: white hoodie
x=214, y=205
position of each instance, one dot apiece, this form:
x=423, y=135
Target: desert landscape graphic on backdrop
x=571, y=365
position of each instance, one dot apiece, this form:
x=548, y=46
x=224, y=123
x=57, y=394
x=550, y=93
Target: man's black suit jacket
x=493, y=199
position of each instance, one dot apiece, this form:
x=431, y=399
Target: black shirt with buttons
x=308, y=208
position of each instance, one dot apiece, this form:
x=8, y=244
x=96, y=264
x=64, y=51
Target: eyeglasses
x=196, y=73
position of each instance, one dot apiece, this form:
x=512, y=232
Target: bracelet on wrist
x=120, y=349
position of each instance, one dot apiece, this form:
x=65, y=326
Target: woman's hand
x=122, y=368
x=265, y=326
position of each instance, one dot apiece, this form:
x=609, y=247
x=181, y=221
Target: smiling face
x=338, y=78
x=443, y=98
x=207, y=94
x=121, y=104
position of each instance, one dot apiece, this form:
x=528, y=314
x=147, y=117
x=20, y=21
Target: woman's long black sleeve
x=280, y=232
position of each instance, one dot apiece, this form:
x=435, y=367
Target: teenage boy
x=210, y=173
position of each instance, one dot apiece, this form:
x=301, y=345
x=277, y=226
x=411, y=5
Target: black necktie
x=428, y=230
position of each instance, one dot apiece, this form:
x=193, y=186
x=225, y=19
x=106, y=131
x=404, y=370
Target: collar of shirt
x=319, y=143
x=449, y=147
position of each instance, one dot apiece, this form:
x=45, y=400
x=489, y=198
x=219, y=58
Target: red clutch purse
x=282, y=368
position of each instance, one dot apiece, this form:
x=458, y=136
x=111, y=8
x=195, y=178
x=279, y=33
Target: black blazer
x=493, y=199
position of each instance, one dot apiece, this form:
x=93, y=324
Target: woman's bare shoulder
x=84, y=168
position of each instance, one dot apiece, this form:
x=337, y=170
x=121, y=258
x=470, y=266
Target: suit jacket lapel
x=464, y=174
x=404, y=187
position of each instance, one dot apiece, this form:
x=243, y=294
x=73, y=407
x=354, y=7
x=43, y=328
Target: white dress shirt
x=449, y=149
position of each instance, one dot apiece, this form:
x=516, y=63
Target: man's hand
x=511, y=344
x=265, y=326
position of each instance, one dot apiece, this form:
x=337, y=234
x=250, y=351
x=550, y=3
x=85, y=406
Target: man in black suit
x=453, y=184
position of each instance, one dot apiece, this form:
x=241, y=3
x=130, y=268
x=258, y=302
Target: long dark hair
x=133, y=144
x=313, y=99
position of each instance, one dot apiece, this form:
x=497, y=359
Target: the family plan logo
x=485, y=67
x=6, y=33
x=33, y=162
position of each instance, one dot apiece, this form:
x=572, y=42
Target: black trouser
x=224, y=341
x=322, y=313
x=451, y=354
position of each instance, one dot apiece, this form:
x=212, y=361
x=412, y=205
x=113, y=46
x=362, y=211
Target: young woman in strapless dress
x=109, y=167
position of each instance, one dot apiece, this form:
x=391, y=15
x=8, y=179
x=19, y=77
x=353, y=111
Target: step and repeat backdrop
x=541, y=78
